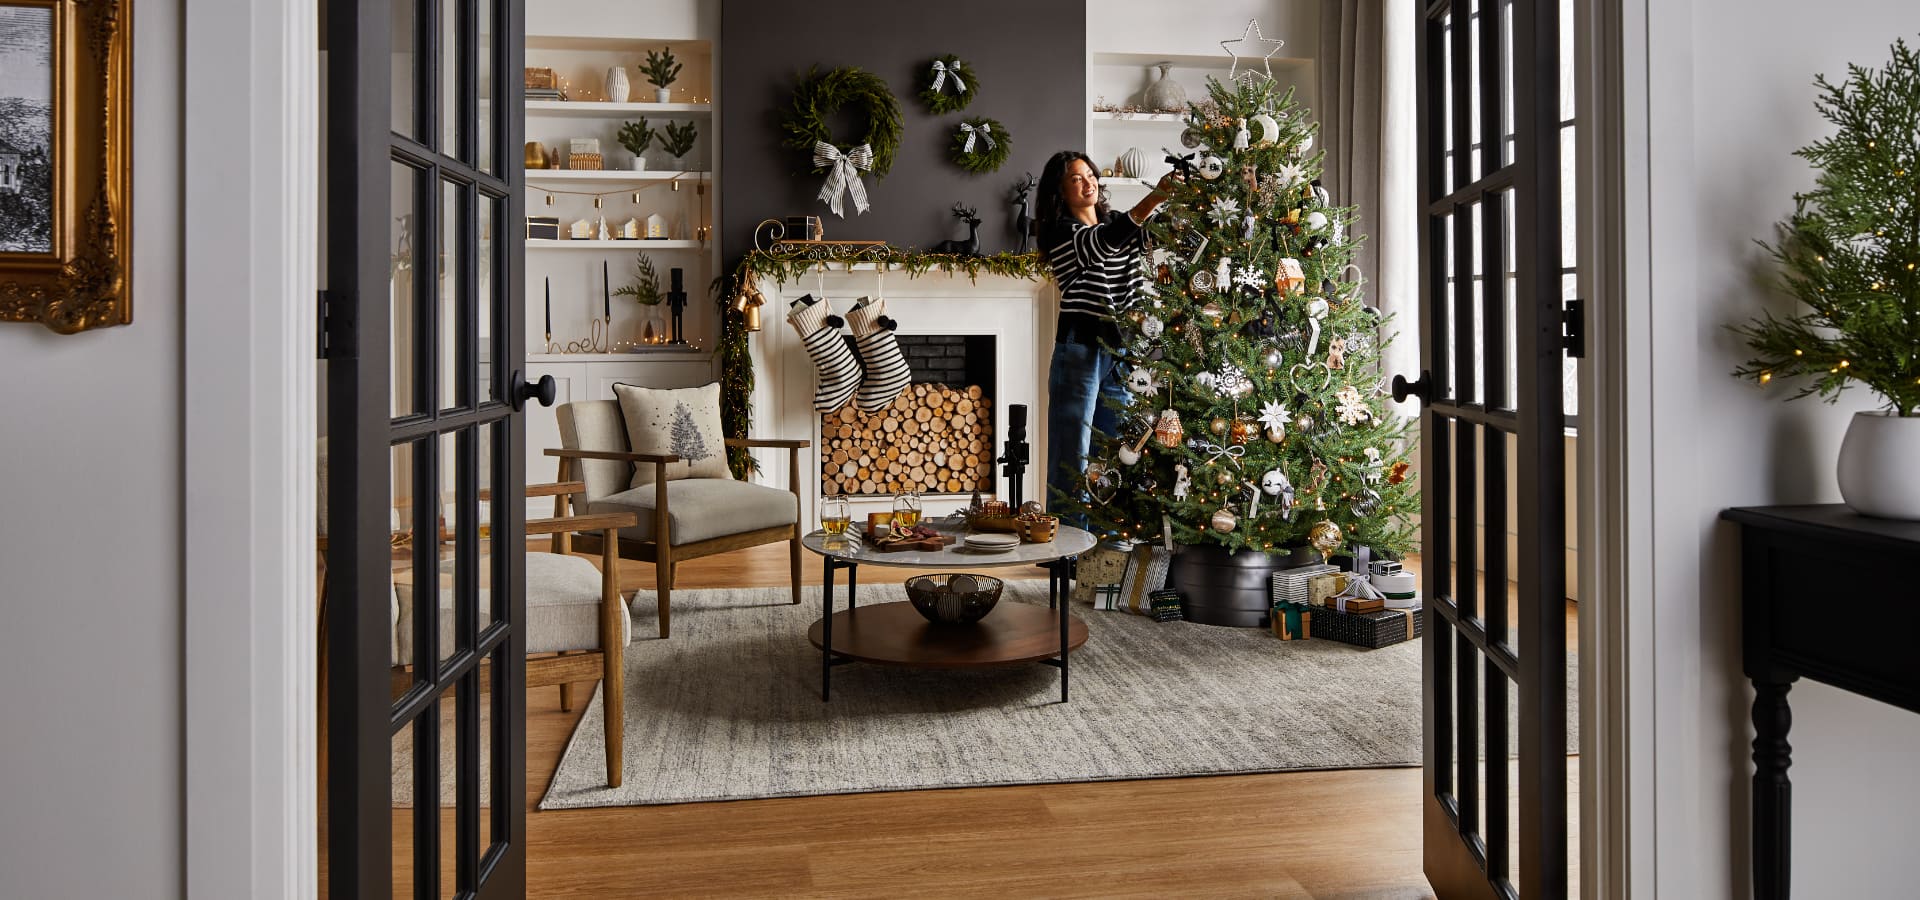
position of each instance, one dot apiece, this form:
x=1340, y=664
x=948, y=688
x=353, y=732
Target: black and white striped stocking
x=839, y=369
x=887, y=372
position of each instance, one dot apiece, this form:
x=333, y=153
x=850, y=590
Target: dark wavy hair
x=1052, y=205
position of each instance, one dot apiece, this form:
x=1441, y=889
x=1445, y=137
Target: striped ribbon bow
x=940, y=73
x=984, y=131
x=843, y=175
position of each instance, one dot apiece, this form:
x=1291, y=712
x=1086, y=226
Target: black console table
x=1795, y=560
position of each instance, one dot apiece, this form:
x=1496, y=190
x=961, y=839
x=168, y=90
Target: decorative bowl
x=959, y=599
x=1038, y=529
x=1005, y=524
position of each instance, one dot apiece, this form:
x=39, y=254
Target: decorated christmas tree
x=1256, y=417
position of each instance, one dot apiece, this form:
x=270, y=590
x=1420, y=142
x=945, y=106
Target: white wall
x=90, y=554
x=1729, y=98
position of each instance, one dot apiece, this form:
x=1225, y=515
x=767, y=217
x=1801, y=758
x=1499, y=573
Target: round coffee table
x=896, y=634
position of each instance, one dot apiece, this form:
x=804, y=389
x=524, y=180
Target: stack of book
x=545, y=94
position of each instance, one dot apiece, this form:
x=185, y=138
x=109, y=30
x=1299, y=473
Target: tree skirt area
x=729, y=708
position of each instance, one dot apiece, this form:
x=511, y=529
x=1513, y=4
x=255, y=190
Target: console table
x=1793, y=560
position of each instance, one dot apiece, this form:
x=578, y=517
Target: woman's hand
x=1165, y=187
x=1161, y=193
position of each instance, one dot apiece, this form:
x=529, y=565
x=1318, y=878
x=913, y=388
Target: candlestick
x=606, y=292
x=549, y=283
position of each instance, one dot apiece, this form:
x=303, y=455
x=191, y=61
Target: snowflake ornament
x=1232, y=381
x=1353, y=409
x=1250, y=276
x=1290, y=174
x=1225, y=212
x=1273, y=414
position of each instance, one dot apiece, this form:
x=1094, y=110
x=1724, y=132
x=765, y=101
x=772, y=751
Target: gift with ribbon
x=843, y=175
x=1381, y=628
x=1292, y=621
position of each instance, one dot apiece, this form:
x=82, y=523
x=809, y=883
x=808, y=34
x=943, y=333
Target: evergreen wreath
x=947, y=97
x=819, y=96
x=991, y=145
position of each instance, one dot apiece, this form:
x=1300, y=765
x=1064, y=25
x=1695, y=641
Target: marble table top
x=1069, y=541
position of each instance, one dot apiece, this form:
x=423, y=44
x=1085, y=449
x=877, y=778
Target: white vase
x=1877, y=476
x=1133, y=163
x=1164, y=94
x=617, y=85
x=663, y=95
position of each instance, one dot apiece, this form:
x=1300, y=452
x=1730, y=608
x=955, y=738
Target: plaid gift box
x=1107, y=596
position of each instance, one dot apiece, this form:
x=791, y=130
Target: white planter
x=617, y=85
x=663, y=95
x=1877, y=459
x=639, y=163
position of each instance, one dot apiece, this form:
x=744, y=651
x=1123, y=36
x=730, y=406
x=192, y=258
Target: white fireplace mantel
x=1019, y=313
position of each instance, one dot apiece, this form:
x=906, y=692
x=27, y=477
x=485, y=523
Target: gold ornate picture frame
x=65, y=173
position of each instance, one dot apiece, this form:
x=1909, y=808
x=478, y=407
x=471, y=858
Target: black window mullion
x=426, y=655
x=467, y=695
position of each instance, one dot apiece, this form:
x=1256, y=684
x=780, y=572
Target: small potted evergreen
x=661, y=69
x=1849, y=254
x=678, y=140
x=636, y=137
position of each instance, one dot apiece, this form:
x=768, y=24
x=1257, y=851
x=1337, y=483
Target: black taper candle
x=606, y=292
x=676, y=281
x=549, y=284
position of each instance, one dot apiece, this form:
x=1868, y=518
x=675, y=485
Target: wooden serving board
x=933, y=543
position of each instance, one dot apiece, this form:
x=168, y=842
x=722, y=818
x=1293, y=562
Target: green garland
x=946, y=99
x=991, y=146
x=819, y=96
x=736, y=360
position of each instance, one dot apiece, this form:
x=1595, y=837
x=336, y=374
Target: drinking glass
x=906, y=509
x=834, y=515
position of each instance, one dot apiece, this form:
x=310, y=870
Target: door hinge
x=1573, y=328
x=320, y=333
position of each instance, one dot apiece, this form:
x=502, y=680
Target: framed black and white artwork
x=65, y=177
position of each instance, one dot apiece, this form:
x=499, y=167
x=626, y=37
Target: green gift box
x=1292, y=621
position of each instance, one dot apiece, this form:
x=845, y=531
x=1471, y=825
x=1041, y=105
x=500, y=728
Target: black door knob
x=543, y=390
x=1423, y=388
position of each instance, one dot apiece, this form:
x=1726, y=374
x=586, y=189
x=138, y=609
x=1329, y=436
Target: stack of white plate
x=992, y=543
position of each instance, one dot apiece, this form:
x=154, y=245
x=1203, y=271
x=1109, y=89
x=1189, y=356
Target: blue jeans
x=1081, y=381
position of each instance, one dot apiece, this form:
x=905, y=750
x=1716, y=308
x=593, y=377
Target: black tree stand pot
x=1234, y=590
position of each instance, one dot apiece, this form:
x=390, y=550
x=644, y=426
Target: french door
x=423, y=337
x=1491, y=320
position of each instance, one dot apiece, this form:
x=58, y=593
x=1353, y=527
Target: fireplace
x=935, y=438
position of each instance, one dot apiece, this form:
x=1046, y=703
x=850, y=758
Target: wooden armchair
x=679, y=520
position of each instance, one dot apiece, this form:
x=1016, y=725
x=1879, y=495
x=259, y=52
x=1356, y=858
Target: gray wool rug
x=729, y=708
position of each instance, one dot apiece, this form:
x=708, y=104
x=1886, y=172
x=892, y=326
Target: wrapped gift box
x=1292, y=621
x=1166, y=605
x=1372, y=630
x=1296, y=585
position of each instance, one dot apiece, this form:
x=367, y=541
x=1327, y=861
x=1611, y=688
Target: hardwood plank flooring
x=1345, y=834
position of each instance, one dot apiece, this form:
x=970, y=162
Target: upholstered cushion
x=702, y=508
x=563, y=607
x=596, y=425
x=682, y=421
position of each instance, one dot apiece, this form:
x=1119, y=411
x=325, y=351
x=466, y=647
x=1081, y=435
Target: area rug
x=730, y=708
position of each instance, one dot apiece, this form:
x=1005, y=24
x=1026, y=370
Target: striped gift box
x=1296, y=585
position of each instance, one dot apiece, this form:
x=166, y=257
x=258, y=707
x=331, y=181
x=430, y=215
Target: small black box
x=543, y=228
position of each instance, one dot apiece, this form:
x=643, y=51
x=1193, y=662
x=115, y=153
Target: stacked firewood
x=932, y=438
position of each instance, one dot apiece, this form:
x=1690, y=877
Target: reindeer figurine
x=1022, y=213
x=970, y=246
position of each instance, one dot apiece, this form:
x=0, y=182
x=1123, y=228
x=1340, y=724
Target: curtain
x=1366, y=111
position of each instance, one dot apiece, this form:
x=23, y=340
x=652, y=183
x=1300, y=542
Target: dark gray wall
x=1031, y=60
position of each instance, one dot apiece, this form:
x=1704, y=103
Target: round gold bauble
x=1276, y=435
x=1224, y=520
x=1324, y=537
x=1218, y=426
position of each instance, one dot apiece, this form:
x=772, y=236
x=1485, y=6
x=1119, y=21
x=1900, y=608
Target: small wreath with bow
x=981, y=145
x=820, y=95
x=948, y=85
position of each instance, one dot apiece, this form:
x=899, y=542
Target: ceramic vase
x=1164, y=94
x=1877, y=476
x=1133, y=163
x=617, y=85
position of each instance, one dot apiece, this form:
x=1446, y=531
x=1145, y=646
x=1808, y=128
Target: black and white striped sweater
x=1098, y=270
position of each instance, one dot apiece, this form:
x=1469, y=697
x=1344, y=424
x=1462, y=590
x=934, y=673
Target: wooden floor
x=1353, y=833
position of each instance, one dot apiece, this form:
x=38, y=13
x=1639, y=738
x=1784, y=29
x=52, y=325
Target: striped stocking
x=887, y=372
x=839, y=369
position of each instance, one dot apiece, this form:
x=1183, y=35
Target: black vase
x=1217, y=588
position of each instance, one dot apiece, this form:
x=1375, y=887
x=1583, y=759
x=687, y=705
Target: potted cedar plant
x=1850, y=254
x=662, y=69
x=636, y=137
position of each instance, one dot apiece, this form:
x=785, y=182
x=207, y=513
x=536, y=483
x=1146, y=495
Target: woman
x=1095, y=256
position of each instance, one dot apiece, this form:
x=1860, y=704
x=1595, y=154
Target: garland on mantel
x=738, y=290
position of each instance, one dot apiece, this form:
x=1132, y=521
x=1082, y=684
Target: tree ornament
x=1243, y=430
x=1192, y=140
x=1365, y=502
x=1373, y=464
x=1251, y=43
x=1224, y=520
x=1274, y=416
x=947, y=85
x=1324, y=537
x=1225, y=211
x=1360, y=342
x=1213, y=311
x=1250, y=176
x=1212, y=167
x=1289, y=277
x=1201, y=282
x=1241, y=138
x=1269, y=130
x=1223, y=477
x=1316, y=220
x=1223, y=274
x=1290, y=174
x=1353, y=409
x=1167, y=430
x=1275, y=482
x=1273, y=358
x=1181, y=483
x=1398, y=472
x=1337, y=353
x=1218, y=426
x=1301, y=149
x=1250, y=276
x=1141, y=381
